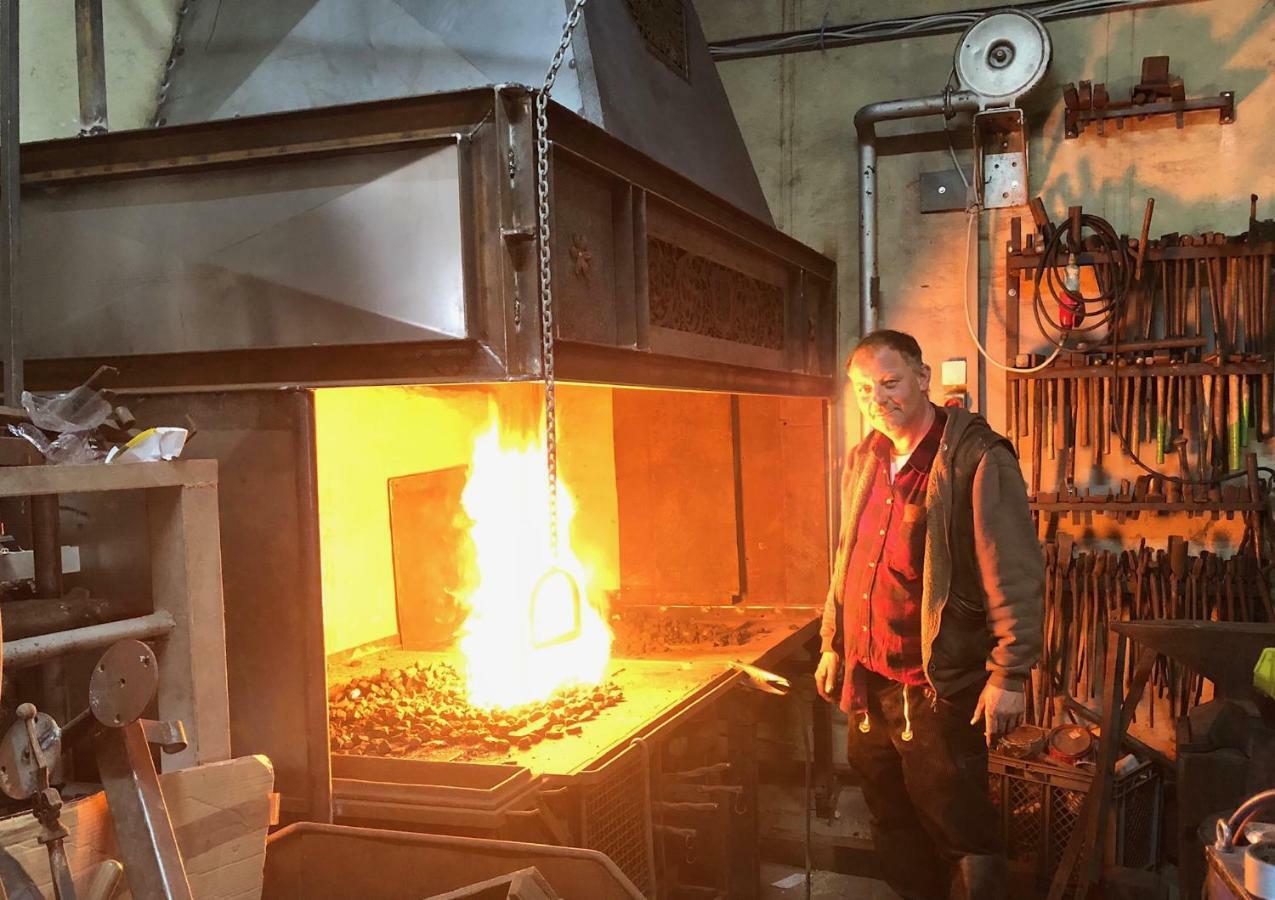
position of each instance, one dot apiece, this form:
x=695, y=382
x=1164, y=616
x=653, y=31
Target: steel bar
x=148, y=848
x=30, y=651
x=10, y=220
x=90, y=61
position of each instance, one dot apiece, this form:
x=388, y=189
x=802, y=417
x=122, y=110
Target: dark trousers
x=927, y=797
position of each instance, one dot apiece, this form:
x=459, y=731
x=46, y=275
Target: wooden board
x=20, y=481
x=220, y=812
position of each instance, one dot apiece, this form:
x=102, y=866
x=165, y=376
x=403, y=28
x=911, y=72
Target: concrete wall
x=138, y=39
x=795, y=113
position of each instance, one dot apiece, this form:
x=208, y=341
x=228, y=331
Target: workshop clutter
x=84, y=425
x=1085, y=591
x=1039, y=803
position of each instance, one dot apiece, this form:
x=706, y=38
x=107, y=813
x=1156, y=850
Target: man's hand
x=826, y=674
x=1001, y=711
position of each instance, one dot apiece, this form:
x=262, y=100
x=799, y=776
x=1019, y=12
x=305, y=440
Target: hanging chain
x=546, y=271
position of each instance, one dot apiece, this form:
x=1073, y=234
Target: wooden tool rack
x=1193, y=342
x=1170, y=341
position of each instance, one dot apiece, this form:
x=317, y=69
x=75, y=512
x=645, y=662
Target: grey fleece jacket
x=993, y=625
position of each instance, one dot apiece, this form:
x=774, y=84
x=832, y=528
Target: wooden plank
x=21, y=481
x=220, y=812
x=185, y=546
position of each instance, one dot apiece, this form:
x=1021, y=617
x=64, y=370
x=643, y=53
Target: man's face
x=891, y=392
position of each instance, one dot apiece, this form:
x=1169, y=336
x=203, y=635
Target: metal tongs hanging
x=543, y=593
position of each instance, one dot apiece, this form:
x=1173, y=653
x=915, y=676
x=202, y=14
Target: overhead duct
x=639, y=69
x=998, y=60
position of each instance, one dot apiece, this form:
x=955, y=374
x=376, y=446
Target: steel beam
x=10, y=185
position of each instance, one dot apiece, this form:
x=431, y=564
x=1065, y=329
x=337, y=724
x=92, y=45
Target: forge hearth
x=420, y=712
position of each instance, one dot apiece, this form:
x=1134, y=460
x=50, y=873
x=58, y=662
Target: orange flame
x=511, y=645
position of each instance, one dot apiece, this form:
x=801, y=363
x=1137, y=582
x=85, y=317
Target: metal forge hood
x=640, y=69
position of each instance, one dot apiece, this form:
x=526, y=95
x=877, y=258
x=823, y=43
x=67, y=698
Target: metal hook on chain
x=546, y=327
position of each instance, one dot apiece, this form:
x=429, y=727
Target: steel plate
x=124, y=681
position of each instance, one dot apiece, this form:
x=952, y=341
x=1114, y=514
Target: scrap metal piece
x=170, y=737
x=19, y=772
x=148, y=847
x=27, y=775
x=123, y=683
x=766, y=682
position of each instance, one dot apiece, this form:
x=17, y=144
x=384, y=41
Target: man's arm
x=1013, y=575
x=1013, y=572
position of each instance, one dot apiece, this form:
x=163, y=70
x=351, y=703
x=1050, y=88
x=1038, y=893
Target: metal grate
x=615, y=816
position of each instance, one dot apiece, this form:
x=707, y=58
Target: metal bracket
x=1000, y=158
x=943, y=192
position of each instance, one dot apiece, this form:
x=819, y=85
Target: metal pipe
x=947, y=105
x=32, y=618
x=90, y=65
x=34, y=650
x=10, y=185
x=46, y=545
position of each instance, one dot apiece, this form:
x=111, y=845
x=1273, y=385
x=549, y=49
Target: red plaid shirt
x=882, y=609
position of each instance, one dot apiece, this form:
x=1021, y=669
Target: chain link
x=546, y=270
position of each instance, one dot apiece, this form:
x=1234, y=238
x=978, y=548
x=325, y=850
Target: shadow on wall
x=1183, y=169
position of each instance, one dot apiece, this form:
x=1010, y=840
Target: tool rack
x=1188, y=369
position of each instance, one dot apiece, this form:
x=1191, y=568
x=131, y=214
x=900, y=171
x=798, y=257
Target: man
x=935, y=608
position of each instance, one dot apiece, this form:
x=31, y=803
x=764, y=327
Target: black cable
x=1115, y=280
x=1106, y=308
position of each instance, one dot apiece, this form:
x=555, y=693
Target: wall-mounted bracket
x=1158, y=93
x=1000, y=158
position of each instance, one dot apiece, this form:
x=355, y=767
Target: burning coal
x=422, y=711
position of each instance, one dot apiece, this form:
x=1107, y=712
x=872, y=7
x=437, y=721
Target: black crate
x=1039, y=803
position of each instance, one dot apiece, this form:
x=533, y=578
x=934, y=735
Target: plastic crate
x=1039, y=802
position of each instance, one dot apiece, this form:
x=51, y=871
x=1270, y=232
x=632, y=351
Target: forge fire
x=423, y=711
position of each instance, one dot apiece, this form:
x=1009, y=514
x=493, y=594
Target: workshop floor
x=780, y=882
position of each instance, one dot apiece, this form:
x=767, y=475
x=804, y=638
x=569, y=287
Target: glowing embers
x=421, y=712
x=518, y=651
